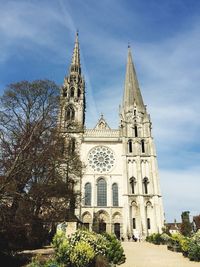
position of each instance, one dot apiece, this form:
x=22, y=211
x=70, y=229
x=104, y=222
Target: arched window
x=136, y=131
x=72, y=92
x=64, y=93
x=115, y=195
x=72, y=145
x=132, y=184
x=130, y=147
x=145, y=183
x=143, y=146
x=70, y=113
x=88, y=194
x=101, y=192
x=79, y=92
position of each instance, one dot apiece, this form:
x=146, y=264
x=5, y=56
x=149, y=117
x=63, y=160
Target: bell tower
x=72, y=98
x=140, y=171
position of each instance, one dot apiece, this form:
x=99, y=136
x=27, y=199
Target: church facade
x=120, y=188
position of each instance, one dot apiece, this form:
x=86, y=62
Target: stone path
x=143, y=254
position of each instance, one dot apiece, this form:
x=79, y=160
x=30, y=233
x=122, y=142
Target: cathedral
x=120, y=188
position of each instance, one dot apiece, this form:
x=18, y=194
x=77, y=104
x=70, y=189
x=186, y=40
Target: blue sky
x=36, y=42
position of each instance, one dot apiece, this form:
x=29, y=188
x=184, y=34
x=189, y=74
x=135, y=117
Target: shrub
x=62, y=248
x=184, y=244
x=98, y=242
x=82, y=254
x=194, y=247
x=115, y=252
x=165, y=238
x=155, y=238
x=84, y=249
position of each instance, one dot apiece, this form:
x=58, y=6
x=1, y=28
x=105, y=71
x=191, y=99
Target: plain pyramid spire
x=132, y=94
x=75, y=64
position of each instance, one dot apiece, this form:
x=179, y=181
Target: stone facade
x=120, y=186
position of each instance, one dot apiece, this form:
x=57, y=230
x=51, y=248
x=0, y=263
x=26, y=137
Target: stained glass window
x=88, y=194
x=115, y=194
x=101, y=192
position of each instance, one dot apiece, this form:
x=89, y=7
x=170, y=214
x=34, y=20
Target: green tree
x=186, y=226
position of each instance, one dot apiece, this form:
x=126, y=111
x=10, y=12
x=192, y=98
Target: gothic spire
x=75, y=64
x=132, y=94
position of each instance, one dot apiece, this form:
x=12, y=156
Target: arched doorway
x=117, y=224
x=101, y=221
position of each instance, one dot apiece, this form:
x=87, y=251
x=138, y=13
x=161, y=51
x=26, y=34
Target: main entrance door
x=117, y=230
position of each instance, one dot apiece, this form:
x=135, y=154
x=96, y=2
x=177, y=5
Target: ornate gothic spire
x=132, y=94
x=75, y=64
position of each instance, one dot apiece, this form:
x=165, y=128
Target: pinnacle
x=132, y=94
x=75, y=64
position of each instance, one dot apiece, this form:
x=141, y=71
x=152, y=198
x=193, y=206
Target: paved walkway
x=143, y=254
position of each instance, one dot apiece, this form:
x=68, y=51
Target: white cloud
x=25, y=24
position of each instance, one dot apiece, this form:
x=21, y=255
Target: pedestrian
x=134, y=238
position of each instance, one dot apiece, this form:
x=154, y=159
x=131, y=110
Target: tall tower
x=142, y=197
x=72, y=103
x=71, y=118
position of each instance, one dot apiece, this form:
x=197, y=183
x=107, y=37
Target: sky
x=37, y=40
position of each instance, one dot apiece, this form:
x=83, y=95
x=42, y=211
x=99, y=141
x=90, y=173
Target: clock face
x=101, y=159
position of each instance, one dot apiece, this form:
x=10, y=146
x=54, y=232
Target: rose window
x=101, y=159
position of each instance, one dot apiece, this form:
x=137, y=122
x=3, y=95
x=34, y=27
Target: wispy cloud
x=36, y=38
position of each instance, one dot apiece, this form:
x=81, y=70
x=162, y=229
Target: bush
x=174, y=243
x=157, y=238
x=62, y=248
x=82, y=254
x=83, y=249
x=194, y=247
x=115, y=252
x=184, y=243
x=49, y=263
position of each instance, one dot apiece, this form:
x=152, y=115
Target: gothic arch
x=117, y=217
x=134, y=204
x=149, y=214
x=104, y=216
x=145, y=185
x=87, y=217
x=72, y=92
x=70, y=113
x=132, y=182
x=149, y=204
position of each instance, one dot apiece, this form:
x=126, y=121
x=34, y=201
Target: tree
x=186, y=226
x=196, y=222
x=33, y=160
